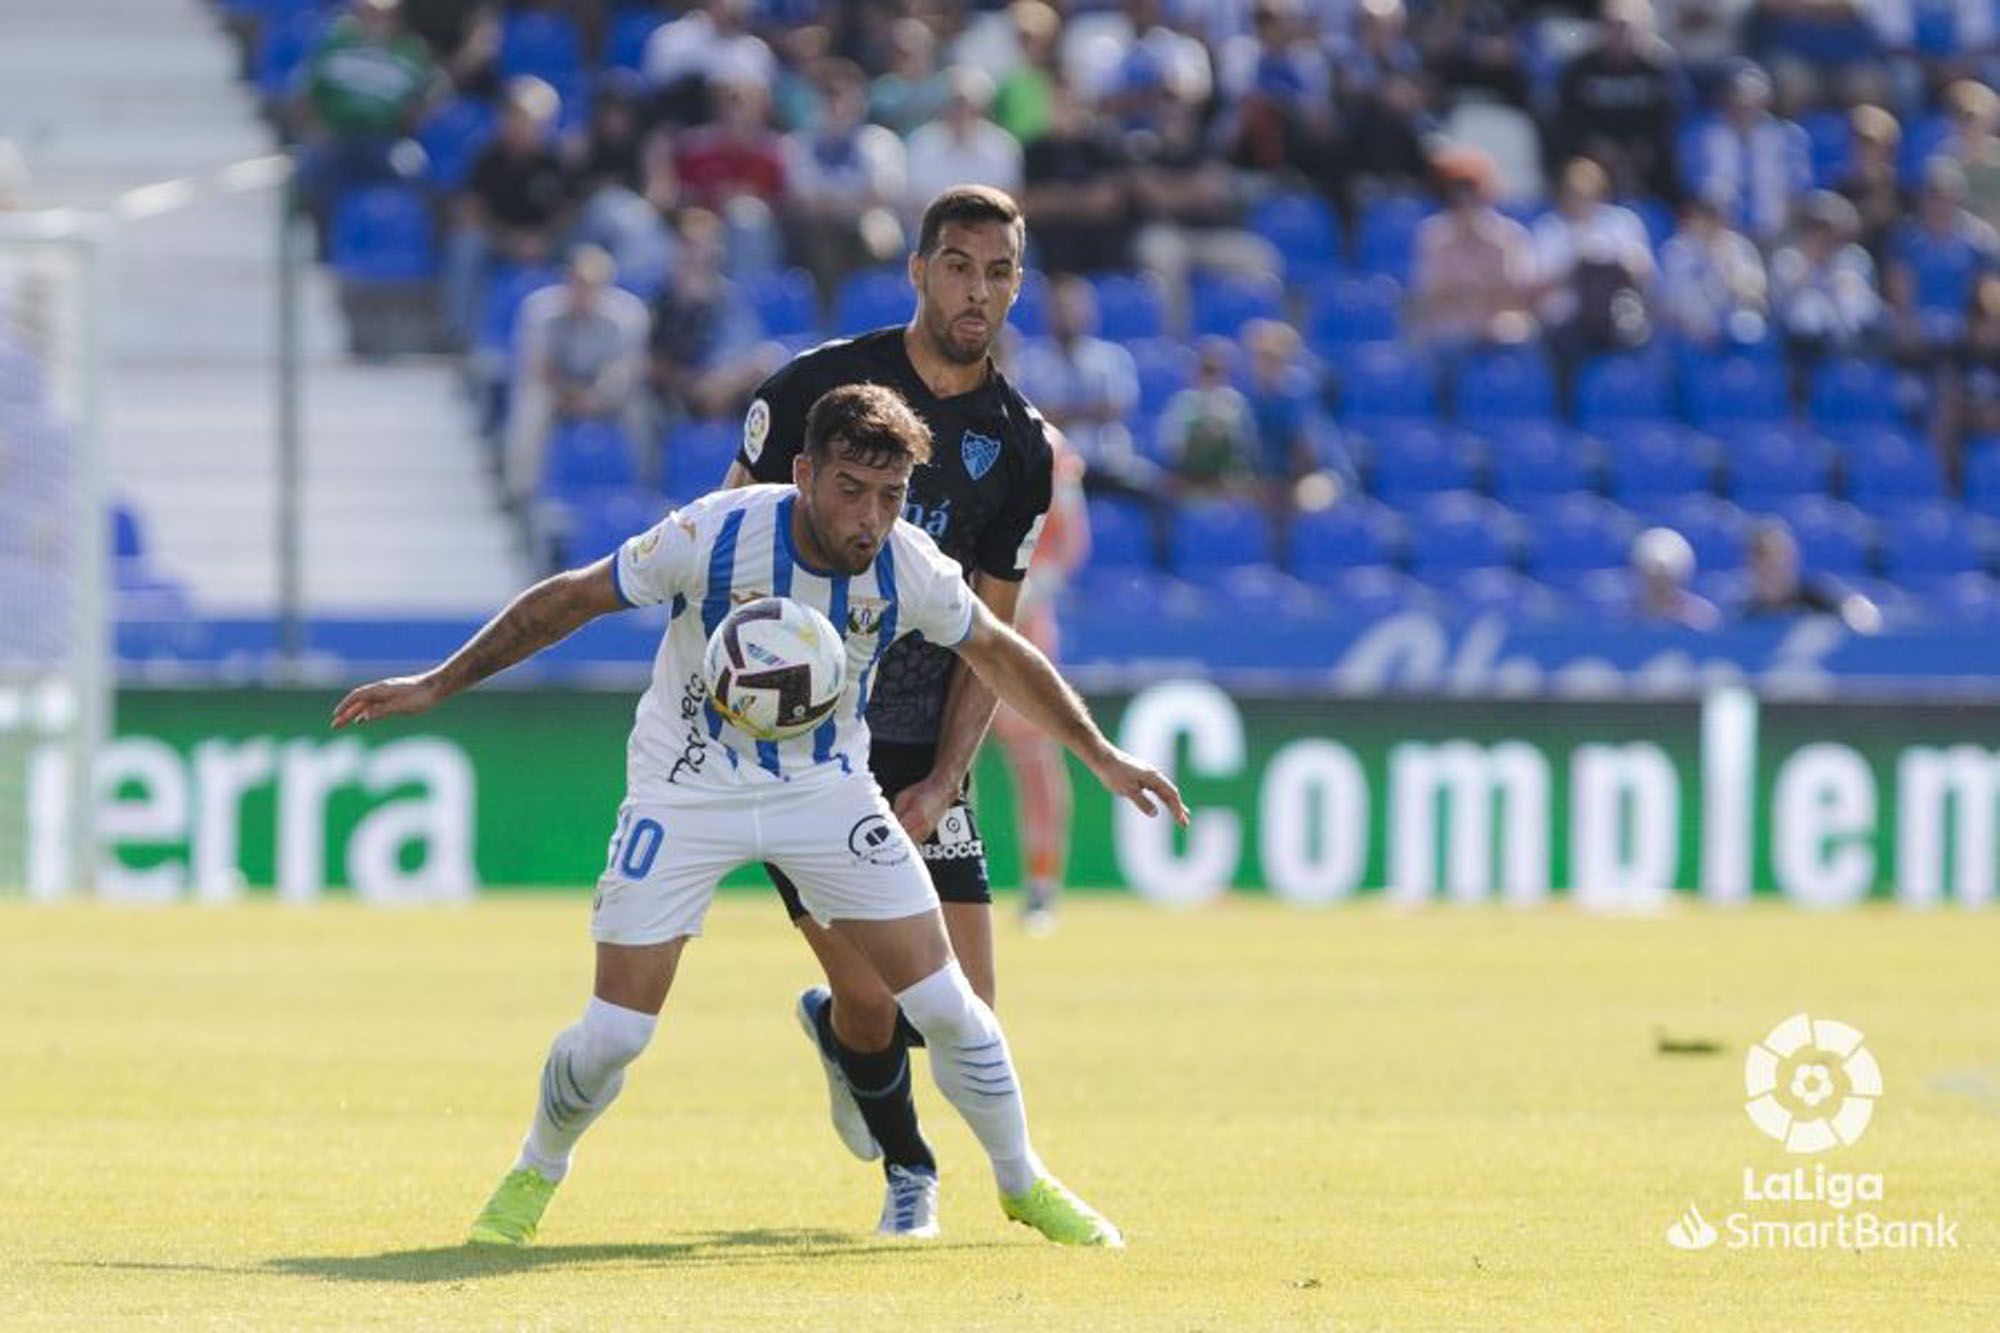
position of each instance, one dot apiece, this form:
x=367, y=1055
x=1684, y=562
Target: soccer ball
x=775, y=668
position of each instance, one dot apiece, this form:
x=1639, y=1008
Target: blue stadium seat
x=1388, y=236
x=1885, y=466
x=604, y=520
x=1962, y=599
x=586, y=456
x=1214, y=535
x=506, y=288
x=1502, y=592
x=1834, y=537
x=786, y=302
x=1852, y=391
x=1304, y=230
x=1352, y=534
x=1923, y=543
x=1030, y=315
x=1982, y=476
x=1371, y=592
x=1264, y=592
x=1129, y=306
x=382, y=234
x=1458, y=531
x=1614, y=390
x=453, y=137
x=1345, y=309
x=625, y=42
x=1411, y=459
x=1735, y=388
x=872, y=299
x=1120, y=534
x=1165, y=366
x=1381, y=381
x=283, y=45
x=1501, y=387
x=1533, y=460
x=1653, y=460
x=1831, y=135
x=1715, y=528
x=1223, y=304
x=1572, y=536
x=1770, y=464
x=543, y=43
x=1923, y=138
x=699, y=454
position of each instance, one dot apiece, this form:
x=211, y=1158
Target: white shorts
x=836, y=838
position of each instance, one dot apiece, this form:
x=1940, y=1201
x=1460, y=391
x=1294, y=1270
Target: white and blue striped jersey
x=736, y=546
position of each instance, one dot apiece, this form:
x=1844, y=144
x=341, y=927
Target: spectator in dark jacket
x=1619, y=103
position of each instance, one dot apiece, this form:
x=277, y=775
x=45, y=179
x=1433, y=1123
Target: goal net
x=55, y=676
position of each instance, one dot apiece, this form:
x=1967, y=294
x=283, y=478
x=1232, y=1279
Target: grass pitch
x=262, y=1118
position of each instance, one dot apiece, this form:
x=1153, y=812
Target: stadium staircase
x=399, y=515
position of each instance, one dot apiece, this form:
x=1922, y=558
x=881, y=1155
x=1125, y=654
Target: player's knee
x=613, y=1036
x=864, y=1017
x=944, y=1007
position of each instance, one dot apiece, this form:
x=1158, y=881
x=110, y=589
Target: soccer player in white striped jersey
x=702, y=798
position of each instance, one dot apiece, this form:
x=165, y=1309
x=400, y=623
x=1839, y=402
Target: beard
x=946, y=341
x=837, y=556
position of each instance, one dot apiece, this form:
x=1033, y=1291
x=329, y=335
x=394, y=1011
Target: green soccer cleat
x=511, y=1215
x=1065, y=1219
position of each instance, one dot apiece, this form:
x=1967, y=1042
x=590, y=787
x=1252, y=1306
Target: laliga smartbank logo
x=1811, y=1084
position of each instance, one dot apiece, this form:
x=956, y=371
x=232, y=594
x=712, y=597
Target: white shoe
x=846, y=1113
x=909, y=1208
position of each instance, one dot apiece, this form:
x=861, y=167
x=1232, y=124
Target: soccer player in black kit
x=982, y=497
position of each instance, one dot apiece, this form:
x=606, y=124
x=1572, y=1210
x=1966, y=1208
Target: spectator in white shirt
x=1086, y=386
x=710, y=44
x=1712, y=286
x=1593, y=266
x=961, y=147
x=1750, y=162
x=582, y=357
x=843, y=179
x=1823, y=285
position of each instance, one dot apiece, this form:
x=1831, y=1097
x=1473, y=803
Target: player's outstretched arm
x=547, y=613
x=1029, y=683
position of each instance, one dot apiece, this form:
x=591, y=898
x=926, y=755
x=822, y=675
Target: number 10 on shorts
x=634, y=845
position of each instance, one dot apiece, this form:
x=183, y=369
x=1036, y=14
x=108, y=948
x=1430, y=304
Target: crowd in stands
x=1689, y=309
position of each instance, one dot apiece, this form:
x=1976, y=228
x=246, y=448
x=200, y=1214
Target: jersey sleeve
x=660, y=562
x=774, y=429
x=936, y=600
x=1008, y=543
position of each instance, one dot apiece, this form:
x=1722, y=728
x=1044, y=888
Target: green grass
x=263, y=1118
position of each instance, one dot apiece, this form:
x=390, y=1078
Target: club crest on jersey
x=864, y=616
x=980, y=453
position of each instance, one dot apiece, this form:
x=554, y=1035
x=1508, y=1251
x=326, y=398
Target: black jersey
x=982, y=496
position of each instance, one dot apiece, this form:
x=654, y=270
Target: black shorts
x=954, y=854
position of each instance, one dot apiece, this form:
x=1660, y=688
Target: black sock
x=881, y=1083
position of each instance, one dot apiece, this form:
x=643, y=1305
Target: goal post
x=55, y=557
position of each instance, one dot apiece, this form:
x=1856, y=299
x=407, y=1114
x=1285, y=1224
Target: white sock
x=584, y=1071
x=970, y=1061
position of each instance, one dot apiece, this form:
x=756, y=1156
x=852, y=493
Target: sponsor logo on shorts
x=873, y=839
x=954, y=839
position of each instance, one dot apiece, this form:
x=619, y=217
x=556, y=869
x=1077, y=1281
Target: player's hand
x=1141, y=784
x=921, y=805
x=399, y=696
